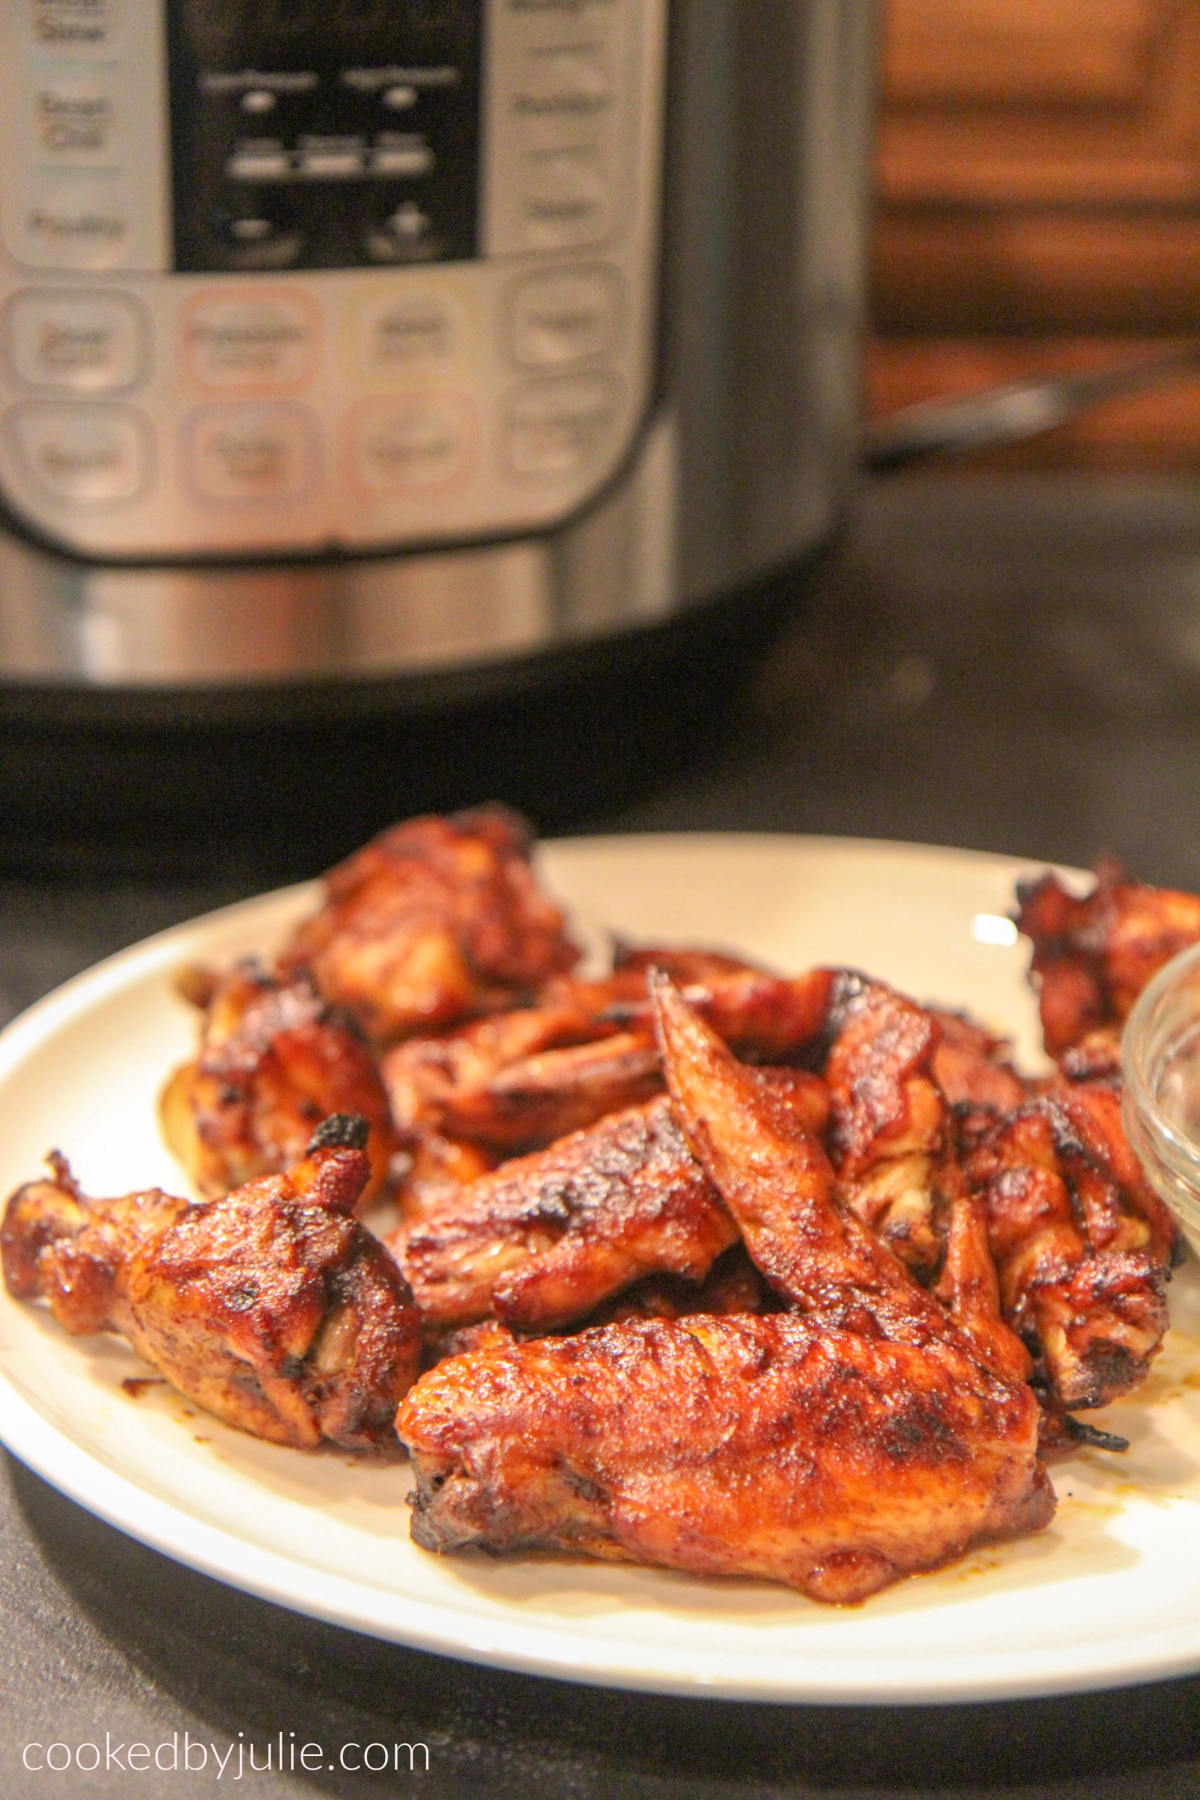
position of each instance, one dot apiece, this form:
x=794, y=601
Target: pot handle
x=1005, y=415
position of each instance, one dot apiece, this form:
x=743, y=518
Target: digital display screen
x=324, y=133
x=221, y=30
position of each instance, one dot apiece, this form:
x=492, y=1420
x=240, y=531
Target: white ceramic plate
x=1109, y=1594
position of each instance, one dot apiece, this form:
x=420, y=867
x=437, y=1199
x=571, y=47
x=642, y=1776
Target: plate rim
x=557, y=1651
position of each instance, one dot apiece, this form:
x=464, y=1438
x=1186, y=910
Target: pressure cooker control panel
x=286, y=275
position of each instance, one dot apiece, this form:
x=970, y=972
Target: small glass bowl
x=1160, y=1056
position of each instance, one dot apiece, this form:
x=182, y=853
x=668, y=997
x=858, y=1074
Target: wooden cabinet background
x=1038, y=180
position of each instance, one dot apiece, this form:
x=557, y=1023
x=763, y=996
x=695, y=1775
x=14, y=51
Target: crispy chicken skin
x=274, y=1061
x=271, y=1307
x=1081, y=1243
x=971, y=1066
x=836, y=1446
x=1093, y=956
x=434, y=921
x=547, y=1237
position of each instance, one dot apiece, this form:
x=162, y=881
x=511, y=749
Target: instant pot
x=361, y=360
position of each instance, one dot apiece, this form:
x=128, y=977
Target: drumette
x=272, y=1307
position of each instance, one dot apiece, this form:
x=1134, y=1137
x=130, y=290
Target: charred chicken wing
x=1093, y=956
x=835, y=1446
x=1081, y=1243
x=546, y=1238
x=272, y=1307
x=888, y=1117
x=274, y=1061
x=436, y=920
x=521, y=1079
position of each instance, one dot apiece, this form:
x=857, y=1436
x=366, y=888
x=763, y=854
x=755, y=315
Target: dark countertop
x=1012, y=667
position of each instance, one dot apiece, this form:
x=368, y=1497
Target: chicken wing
x=764, y=1018
x=521, y=1079
x=436, y=920
x=836, y=1446
x=888, y=1117
x=547, y=1237
x=732, y=1285
x=1093, y=956
x=271, y=1307
x=1081, y=1243
x=900, y=1076
x=274, y=1061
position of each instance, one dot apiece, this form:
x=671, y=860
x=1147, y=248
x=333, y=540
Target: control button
x=90, y=455
x=251, y=452
x=260, y=235
x=554, y=428
x=330, y=159
x=257, y=101
x=561, y=92
x=73, y=27
x=400, y=97
x=564, y=317
x=264, y=339
x=401, y=333
x=75, y=340
x=401, y=154
x=565, y=199
x=421, y=441
x=75, y=121
x=259, y=162
x=404, y=236
x=72, y=222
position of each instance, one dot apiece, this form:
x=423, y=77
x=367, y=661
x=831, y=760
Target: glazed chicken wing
x=900, y=1078
x=272, y=1307
x=274, y=1061
x=1093, y=956
x=732, y=1285
x=888, y=1118
x=1081, y=1243
x=436, y=920
x=835, y=1446
x=521, y=1079
x=764, y=1018
x=546, y=1238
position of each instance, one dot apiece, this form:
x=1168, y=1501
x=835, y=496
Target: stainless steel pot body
x=740, y=464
